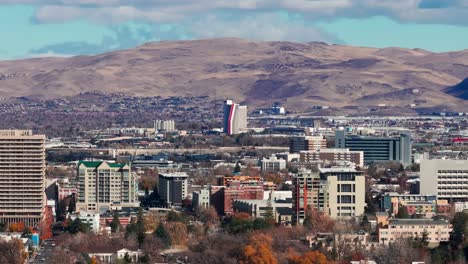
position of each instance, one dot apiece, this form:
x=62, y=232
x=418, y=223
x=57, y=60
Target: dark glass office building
x=377, y=149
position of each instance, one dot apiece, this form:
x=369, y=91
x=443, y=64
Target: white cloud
x=116, y=11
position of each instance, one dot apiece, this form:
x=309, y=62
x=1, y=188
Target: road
x=44, y=252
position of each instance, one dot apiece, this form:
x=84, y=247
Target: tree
x=459, y=232
x=72, y=204
x=269, y=215
x=259, y=251
x=163, y=235
x=311, y=257
x=402, y=212
x=365, y=223
x=77, y=226
x=26, y=232
x=177, y=232
x=237, y=169
x=17, y=227
x=115, y=224
x=140, y=227
x=12, y=252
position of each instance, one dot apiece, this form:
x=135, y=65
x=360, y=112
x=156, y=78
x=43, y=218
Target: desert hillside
x=299, y=75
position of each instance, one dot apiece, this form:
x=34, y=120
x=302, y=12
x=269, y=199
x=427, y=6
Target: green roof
x=90, y=164
x=94, y=164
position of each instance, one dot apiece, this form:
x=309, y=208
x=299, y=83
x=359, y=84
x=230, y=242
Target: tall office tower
x=103, y=186
x=346, y=191
x=312, y=143
x=235, y=118
x=307, y=195
x=164, y=125
x=448, y=179
x=22, y=177
x=173, y=188
x=377, y=148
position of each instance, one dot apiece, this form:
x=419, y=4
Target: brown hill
x=298, y=74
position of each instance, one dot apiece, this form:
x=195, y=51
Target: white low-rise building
x=436, y=230
x=90, y=218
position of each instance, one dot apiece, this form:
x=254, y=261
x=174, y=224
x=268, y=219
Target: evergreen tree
x=269, y=215
x=140, y=227
x=237, y=169
x=402, y=212
x=162, y=234
x=26, y=232
x=72, y=204
x=115, y=224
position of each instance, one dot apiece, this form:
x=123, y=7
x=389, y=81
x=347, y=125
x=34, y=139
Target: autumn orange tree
x=317, y=221
x=259, y=251
x=312, y=257
x=17, y=227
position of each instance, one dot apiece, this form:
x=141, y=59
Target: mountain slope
x=460, y=90
x=298, y=74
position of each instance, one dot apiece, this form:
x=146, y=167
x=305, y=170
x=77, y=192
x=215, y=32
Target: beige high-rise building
x=346, y=191
x=104, y=186
x=22, y=177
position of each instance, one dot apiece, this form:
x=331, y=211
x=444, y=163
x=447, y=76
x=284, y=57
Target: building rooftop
x=418, y=222
x=94, y=164
x=337, y=169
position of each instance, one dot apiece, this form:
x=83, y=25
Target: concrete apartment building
x=235, y=118
x=448, y=179
x=437, y=230
x=273, y=164
x=173, y=188
x=311, y=143
x=308, y=194
x=22, y=177
x=377, y=149
x=346, y=191
x=105, y=185
x=333, y=155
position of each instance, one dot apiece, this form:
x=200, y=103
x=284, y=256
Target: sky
x=35, y=28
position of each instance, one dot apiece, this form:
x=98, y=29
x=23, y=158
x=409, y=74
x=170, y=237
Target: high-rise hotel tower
x=22, y=177
x=235, y=118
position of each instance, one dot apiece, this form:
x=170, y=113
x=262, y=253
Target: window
x=346, y=188
x=345, y=199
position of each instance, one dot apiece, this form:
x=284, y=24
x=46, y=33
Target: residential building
x=201, y=199
x=377, y=149
x=110, y=256
x=164, y=125
x=346, y=190
x=92, y=219
x=391, y=201
x=235, y=118
x=273, y=164
x=333, y=155
x=436, y=230
x=243, y=180
x=258, y=208
x=307, y=195
x=22, y=177
x=308, y=143
x=222, y=197
x=173, y=188
x=448, y=179
x=105, y=185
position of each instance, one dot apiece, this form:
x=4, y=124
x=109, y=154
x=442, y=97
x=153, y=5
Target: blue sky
x=32, y=28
